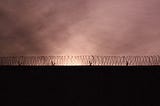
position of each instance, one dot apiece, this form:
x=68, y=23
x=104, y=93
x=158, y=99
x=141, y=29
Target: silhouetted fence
x=80, y=60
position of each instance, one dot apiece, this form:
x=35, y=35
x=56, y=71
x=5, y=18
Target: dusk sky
x=79, y=27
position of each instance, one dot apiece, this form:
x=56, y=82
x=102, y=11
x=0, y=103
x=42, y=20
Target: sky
x=79, y=27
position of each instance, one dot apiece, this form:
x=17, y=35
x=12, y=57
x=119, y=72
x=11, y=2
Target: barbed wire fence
x=80, y=60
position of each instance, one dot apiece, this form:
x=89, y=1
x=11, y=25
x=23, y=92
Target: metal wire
x=80, y=60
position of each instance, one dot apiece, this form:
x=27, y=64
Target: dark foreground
x=80, y=86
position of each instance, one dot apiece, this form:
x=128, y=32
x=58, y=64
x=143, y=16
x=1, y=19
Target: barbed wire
x=80, y=60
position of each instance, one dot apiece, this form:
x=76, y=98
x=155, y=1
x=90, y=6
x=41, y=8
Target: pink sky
x=79, y=27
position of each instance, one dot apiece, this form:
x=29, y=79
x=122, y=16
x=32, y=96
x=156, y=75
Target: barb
x=80, y=60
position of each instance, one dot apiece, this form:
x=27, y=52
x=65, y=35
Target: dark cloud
x=79, y=27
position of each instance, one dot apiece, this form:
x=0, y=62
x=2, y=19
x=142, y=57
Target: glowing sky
x=79, y=27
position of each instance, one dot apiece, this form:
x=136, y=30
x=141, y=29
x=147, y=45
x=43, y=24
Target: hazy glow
x=70, y=61
x=79, y=27
x=72, y=64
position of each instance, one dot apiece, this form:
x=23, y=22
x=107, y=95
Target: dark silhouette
x=85, y=60
x=53, y=63
x=90, y=63
x=126, y=63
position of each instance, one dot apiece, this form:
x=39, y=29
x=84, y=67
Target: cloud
x=79, y=27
